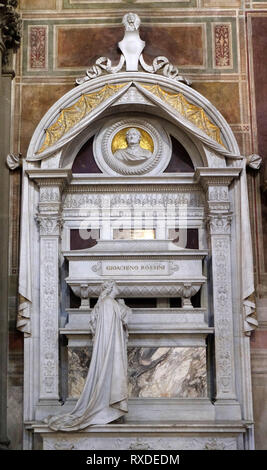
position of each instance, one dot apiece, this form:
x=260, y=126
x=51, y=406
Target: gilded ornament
x=72, y=115
x=194, y=114
x=119, y=140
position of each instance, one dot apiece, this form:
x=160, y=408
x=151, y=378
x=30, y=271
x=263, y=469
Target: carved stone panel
x=222, y=295
x=49, y=318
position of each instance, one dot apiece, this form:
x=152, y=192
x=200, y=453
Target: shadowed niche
x=180, y=161
x=84, y=161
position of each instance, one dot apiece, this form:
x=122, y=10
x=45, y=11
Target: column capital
x=50, y=225
x=51, y=184
x=219, y=223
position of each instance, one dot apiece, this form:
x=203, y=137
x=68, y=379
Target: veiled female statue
x=104, y=397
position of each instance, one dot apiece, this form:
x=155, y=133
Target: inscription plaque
x=135, y=268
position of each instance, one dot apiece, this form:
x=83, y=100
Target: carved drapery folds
x=250, y=316
x=24, y=317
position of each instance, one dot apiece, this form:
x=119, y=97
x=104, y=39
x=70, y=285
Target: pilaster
x=216, y=183
x=51, y=184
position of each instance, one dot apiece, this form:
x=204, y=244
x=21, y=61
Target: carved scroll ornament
x=132, y=47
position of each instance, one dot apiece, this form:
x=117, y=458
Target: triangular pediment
x=74, y=115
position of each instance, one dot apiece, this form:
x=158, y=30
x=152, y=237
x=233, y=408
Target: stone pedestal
x=193, y=436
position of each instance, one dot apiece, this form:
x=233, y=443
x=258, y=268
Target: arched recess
x=219, y=172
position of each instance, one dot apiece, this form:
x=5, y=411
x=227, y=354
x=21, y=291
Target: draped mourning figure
x=104, y=397
x=134, y=154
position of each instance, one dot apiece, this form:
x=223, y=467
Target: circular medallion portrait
x=132, y=147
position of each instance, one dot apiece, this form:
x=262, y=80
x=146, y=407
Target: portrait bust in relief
x=133, y=154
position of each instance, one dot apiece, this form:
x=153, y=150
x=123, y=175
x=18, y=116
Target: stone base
x=145, y=410
x=227, y=410
x=193, y=436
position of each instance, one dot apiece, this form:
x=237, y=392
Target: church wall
x=210, y=41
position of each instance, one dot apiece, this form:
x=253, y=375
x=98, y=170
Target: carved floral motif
x=219, y=223
x=49, y=225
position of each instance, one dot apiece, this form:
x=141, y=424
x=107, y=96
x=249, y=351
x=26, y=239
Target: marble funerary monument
x=134, y=186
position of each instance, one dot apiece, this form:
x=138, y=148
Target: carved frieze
x=130, y=200
x=218, y=194
x=50, y=194
x=140, y=443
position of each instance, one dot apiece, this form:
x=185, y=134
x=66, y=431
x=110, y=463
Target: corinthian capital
x=219, y=223
x=49, y=225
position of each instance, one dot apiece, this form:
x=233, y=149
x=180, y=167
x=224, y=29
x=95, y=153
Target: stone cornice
x=216, y=176
x=50, y=177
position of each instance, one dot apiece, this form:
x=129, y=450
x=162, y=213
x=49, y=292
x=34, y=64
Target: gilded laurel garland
x=194, y=114
x=72, y=115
